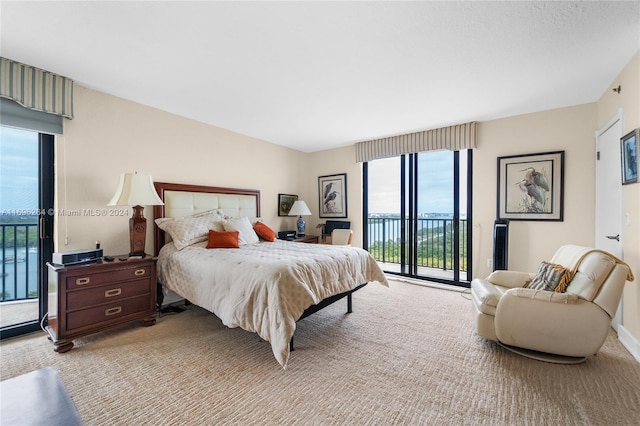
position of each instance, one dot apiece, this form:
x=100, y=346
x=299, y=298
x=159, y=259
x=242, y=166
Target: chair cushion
x=547, y=296
x=591, y=273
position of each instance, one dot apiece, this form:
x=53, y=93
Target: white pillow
x=246, y=233
x=188, y=230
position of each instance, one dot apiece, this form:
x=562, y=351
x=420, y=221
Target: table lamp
x=300, y=209
x=136, y=190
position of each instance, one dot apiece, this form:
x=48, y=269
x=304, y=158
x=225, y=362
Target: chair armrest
x=510, y=279
x=485, y=293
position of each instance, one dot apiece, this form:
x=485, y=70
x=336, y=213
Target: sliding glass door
x=26, y=225
x=417, y=210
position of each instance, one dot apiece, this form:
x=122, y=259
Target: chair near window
x=526, y=314
x=330, y=225
x=341, y=237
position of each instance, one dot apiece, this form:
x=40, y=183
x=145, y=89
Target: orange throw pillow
x=264, y=231
x=219, y=239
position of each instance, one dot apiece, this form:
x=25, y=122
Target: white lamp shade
x=299, y=208
x=135, y=190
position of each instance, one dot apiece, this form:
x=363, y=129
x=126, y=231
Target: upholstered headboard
x=186, y=200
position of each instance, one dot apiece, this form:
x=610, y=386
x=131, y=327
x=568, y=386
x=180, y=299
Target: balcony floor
x=16, y=312
x=424, y=271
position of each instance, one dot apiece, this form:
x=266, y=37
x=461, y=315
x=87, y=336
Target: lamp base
x=137, y=232
x=301, y=225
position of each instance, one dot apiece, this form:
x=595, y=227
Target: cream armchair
x=340, y=237
x=557, y=327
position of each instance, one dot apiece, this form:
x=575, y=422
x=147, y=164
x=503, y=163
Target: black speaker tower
x=500, y=244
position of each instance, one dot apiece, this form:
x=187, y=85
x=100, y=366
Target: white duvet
x=265, y=287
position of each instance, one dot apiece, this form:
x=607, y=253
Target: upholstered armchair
x=340, y=237
x=561, y=314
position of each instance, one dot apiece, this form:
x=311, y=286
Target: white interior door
x=609, y=194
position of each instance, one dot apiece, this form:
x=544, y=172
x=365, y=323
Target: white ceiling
x=318, y=75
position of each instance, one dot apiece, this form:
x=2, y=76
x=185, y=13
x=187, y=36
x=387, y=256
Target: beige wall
x=110, y=135
x=629, y=101
x=530, y=242
x=330, y=162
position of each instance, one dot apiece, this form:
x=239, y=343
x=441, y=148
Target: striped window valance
x=36, y=89
x=453, y=138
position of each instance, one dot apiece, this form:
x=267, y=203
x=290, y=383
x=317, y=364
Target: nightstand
x=312, y=239
x=85, y=299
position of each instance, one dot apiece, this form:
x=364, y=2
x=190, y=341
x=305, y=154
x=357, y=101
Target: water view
x=19, y=270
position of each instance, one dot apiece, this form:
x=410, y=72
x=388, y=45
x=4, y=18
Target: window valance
x=36, y=89
x=454, y=138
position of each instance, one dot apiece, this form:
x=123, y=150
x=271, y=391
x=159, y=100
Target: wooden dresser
x=85, y=299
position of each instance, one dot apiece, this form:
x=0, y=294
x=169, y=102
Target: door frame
x=408, y=209
x=46, y=185
x=618, y=119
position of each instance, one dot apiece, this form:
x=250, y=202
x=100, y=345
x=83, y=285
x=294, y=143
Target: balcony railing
x=434, y=241
x=19, y=257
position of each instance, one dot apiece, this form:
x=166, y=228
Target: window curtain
x=36, y=90
x=454, y=138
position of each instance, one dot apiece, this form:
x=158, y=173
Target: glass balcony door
x=417, y=213
x=26, y=223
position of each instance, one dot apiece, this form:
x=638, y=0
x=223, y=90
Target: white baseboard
x=628, y=341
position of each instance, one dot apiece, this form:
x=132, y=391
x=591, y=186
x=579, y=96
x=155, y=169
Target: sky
x=435, y=183
x=18, y=170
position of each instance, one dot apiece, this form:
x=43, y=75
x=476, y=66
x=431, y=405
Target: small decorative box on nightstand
x=85, y=299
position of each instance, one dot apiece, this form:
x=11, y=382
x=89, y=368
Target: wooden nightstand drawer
x=108, y=312
x=106, y=294
x=99, y=278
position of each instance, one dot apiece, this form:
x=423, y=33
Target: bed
x=260, y=286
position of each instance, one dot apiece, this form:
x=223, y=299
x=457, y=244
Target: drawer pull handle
x=82, y=281
x=113, y=311
x=113, y=292
x=139, y=272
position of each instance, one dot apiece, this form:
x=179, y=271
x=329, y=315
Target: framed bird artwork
x=629, y=149
x=531, y=187
x=332, y=196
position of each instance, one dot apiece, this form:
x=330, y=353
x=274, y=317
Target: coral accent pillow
x=228, y=239
x=264, y=231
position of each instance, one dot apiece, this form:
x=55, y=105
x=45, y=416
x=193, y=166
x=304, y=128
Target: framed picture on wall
x=332, y=195
x=531, y=187
x=285, y=202
x=629, y=150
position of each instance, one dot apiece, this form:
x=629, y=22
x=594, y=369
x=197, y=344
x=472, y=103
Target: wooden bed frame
x=159, y=236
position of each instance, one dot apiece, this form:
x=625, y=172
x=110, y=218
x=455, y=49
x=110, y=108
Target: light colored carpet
x=406, y=355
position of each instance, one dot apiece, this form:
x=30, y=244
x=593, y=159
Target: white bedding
x=265, y=287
